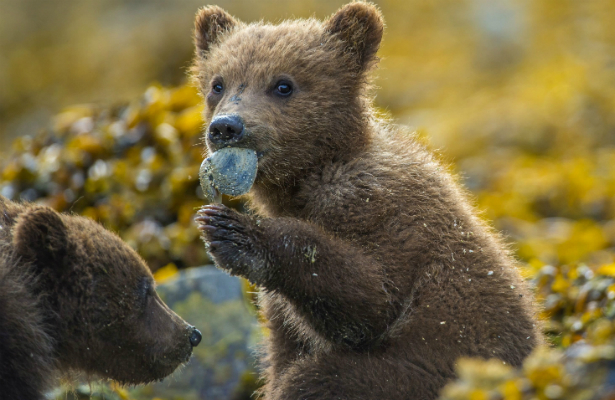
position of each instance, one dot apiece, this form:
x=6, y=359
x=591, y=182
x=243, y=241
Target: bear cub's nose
x=195, y=337
x=226, y=129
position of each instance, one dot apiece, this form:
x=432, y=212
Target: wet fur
x=375, y=272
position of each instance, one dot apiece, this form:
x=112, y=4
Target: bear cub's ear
x=360, y=26
x=210, y=22
x=41, y=236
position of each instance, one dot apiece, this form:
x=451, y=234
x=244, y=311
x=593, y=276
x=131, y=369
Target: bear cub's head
x=294, y=92
x=98, y=298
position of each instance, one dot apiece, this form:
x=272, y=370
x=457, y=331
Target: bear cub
x=375, y=272
x=75, y=297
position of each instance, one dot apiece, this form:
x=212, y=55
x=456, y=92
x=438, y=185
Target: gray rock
x=230, y=170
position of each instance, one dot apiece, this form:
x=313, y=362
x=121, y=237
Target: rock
x=230, y=171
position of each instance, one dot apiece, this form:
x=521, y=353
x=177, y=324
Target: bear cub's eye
x=217, y=88
x=283, y=88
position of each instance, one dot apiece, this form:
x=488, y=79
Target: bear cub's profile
x=75, y=297
x=375, y=273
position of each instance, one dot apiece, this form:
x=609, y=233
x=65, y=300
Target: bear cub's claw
x=218, y=221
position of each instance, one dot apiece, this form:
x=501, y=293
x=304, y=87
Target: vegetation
x=133, y=168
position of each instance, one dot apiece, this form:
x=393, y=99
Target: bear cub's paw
x=232, y=241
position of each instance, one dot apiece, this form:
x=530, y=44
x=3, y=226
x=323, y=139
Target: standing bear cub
x=375, y=272
x=75, y=297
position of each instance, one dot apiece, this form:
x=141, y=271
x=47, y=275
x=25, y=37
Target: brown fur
x=375, y=272
x=74, y=297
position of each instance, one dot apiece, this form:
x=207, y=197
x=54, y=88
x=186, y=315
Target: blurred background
x=517, y=96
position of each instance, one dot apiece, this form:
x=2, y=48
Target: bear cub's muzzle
x=226, y=130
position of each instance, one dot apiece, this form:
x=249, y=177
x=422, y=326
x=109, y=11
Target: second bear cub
x=75, y=297
x=375, y=272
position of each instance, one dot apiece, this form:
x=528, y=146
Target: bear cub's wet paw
x=231, y=240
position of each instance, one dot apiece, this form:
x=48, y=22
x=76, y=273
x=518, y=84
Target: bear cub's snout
x=225, y=130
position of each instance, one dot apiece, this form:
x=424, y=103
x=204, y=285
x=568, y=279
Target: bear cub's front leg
x=308, y=267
